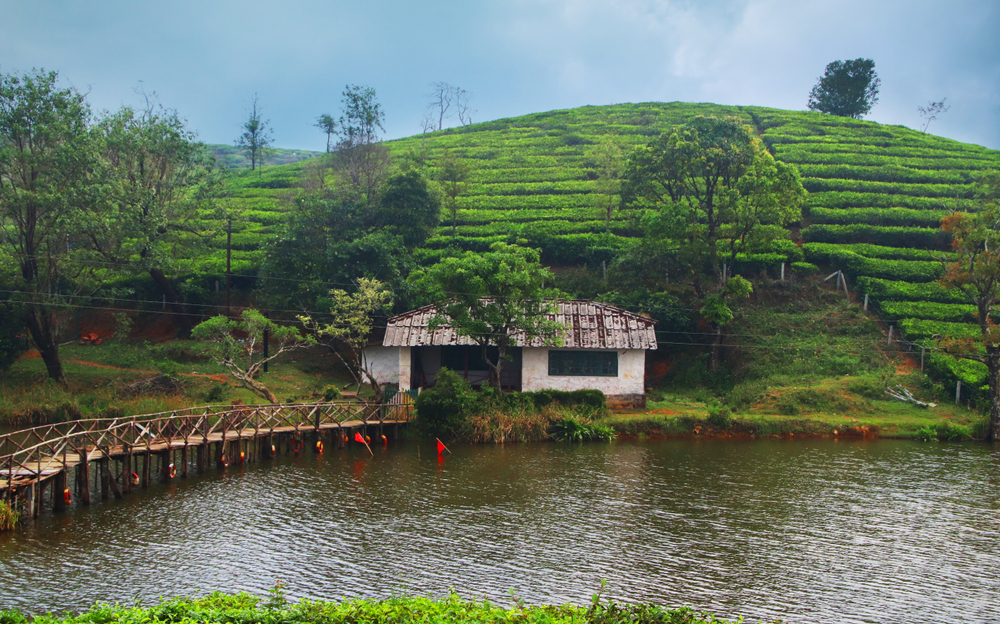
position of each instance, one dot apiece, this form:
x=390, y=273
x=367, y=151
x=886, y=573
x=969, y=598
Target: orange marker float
x=319, y=446
x=171, y=471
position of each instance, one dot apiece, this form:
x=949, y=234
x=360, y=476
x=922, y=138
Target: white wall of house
x=630, y=380
x=383, y=362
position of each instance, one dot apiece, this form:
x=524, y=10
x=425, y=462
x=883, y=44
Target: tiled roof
x=589, y=325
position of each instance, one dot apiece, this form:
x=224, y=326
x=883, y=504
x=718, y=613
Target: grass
x=805, y=360
x=9, y=517
x=244, y=608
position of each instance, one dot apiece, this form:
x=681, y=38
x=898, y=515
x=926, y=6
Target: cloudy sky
x=207, y=58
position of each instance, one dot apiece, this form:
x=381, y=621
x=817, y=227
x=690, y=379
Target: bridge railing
x=33, y=453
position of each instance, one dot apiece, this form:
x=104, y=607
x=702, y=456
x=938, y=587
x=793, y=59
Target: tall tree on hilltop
x=976, y=273
x=47, y=157
x=328, y=125
x=256, y=137
x=847, y=89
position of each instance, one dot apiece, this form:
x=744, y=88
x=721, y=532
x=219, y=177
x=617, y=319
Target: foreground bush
x=246, y=609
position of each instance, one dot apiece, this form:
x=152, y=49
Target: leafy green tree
x=718, y=313
x=453, y=178
x=47, y=157
x=492, y=298
x=328, y=125
x=154, y=180
x=238, y=345
x=256, y=137
x=712, y=190
x=846, y=89
x=609, y=165
x=975, y=272
x=333, y=239
x=352, y=318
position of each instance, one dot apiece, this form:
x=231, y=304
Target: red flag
x=441, y=447
x=360, y=440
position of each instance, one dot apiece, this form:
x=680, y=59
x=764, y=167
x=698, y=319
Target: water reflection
x=803, y=531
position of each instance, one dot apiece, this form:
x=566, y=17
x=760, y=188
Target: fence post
x=866, y=302
x=958, y=391
x=782, y=271
x=921, y=359
x=890, y=335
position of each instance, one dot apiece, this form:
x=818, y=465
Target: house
x=604, y=348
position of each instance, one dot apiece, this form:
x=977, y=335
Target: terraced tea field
x=876, y=196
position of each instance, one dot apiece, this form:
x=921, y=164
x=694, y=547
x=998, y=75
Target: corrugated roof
x=589, y=325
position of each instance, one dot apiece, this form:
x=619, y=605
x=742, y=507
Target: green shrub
x=571, y=430
x=720, y=417
x=331, y=393
x=804, y=268
x=443, y=408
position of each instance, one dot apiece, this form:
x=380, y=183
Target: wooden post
x=201, y=456
x=890, y=335
x=958, y=391
x=33, y=499
x=782, y=271
x=58, y=487
x=184, y=462
x=866, y=302
x=105, y=476
x=110, y=478
x=921, y=359
x=83, y=470
x=147, y=459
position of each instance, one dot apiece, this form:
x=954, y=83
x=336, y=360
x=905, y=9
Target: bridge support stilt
x=58, y=486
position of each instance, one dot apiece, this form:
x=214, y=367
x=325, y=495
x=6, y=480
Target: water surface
x=804, y=531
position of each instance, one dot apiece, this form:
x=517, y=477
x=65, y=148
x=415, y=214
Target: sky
x=207, y=58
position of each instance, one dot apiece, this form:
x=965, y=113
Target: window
x=583, y=363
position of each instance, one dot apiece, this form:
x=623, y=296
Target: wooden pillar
x=127, y=471
x=165, y=460
x=184, y=462
x=58, y=487
x=83, y=472
x=201, y=456
x=105, y=476
x=147, y=459
x=34, y=493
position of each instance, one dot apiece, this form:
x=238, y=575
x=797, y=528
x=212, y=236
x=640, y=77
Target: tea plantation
x=876, y=196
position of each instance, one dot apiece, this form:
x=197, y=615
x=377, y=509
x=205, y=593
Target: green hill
x=876, y=195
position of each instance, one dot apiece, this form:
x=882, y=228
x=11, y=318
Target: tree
x=494, y=299
x=718, y=313
x=711, y=187
x=708, y=192
x=930, y=113
x=443, y=97
x=256, y=137
x=333, y=238
x=352, y=320
x=608, y=167
x=328, y=125
x=847, y=89
x=453, y=178
x=47, y=158
x=154, y=178
x=975, y=272
x=361, y=160
x=238, y=345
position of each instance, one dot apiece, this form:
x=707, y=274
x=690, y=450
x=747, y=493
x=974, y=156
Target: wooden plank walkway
x=40, y=458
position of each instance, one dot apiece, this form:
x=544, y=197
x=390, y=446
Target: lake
x=803, y=530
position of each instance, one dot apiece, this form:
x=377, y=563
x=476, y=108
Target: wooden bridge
x=33, y=460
